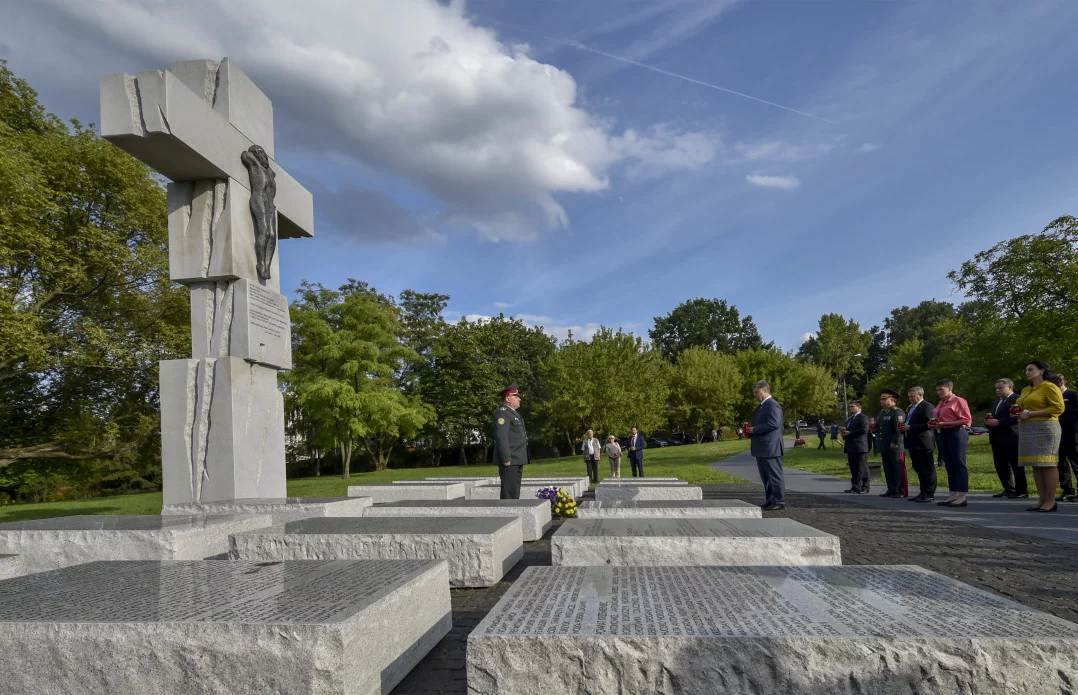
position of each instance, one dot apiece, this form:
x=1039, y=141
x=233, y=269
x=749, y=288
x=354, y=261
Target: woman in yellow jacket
x=1040, y=406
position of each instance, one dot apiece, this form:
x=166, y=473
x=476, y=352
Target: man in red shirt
x=951, y=419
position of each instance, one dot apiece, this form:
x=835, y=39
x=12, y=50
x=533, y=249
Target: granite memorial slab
x=651, y=491
x=668, y=509
x=280, y=510
x=692, y=542
x=46, y=544
x=11, y=566
x=488, y=479
x=580, y=484
x=640, y=480
x=885, y=630
x=479, y=550
x=237, y=628
x=398, y=493
x=529, y=491
x=534, y=515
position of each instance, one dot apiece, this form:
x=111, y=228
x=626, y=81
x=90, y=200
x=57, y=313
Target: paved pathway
x=983, y=509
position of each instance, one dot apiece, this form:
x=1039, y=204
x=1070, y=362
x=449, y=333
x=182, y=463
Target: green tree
x=840, y=347
x=705, y=389
x=700, y=322
x=86, y=305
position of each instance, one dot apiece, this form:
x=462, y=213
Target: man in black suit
x=1068, y=451
x=855, y=434
x=920, y=442
x=1003, y=435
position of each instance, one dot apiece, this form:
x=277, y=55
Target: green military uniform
x=891, y=446
x=510, y=445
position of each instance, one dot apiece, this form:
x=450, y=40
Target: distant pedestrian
x=613, y=453
x=510, y=443
x=766, y=434
x=834, y=433
x=950, y=420
x=592, y=450
x=821, y=432
x=636, y=453
x=1040, y=405
x=722, y=435
x=714, y=435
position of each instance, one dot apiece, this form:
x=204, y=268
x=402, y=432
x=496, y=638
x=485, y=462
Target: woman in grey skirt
x=1040, y=406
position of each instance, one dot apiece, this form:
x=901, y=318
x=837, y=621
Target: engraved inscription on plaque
x=398, y=524
x=699, y=528
x=850, y=601
x=262, y=328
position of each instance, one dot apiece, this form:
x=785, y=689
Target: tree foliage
x=705, y=389
x=710, y=323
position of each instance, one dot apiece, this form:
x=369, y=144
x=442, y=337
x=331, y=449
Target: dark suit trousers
x=1013, y=476
x=510, y=478
x=592, y=463
x=894, y=471
x=823, y=440
x=636, y=461
x=1068, y=460
x=858, y=463
x=771, y=475
x=925, y=468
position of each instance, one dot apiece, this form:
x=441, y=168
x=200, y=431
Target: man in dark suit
x=855, y=436
x=766, y=433
x=920, y=442
x=1003, y=436
x=636, y=453
x=1068, y=451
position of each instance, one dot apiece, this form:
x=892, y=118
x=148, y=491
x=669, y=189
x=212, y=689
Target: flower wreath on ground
x=562, y=504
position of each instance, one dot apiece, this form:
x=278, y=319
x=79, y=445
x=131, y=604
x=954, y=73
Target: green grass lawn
x=982, y=473
x=686, y=462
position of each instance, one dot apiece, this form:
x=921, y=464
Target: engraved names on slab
x=399, y=525
x=700, y=528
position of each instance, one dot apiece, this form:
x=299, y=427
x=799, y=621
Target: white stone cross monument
x=208, y=128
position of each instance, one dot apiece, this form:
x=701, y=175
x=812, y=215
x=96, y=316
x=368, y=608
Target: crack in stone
x=131, y=83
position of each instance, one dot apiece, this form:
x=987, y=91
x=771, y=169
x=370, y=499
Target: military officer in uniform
x=891, y=444
x=510, y=443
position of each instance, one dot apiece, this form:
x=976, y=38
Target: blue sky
x=513, y=156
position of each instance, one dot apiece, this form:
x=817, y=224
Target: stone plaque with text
x=261, y=327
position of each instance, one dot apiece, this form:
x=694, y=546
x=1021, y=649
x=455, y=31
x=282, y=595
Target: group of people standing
x=1034, y=429
x=593, y=450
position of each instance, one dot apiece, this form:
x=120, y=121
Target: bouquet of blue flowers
x=562, y=503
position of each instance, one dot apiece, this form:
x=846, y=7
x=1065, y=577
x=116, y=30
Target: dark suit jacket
x=1068, y=421
x=857, y=437
x=1006, y=432
x=767, y=430
x=919, y=437
x=640, y=444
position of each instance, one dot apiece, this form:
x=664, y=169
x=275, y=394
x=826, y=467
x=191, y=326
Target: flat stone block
x=692, y=542
x=664, y=491
x=132, y=628
x=606, y=481
x=479, y=550
x=222, y=431
x=11, y=566
x=886, y=630
x=534, y=515
x=46, y=544
x=668, y=509
x=280, y=510
x=579, y=485
x=398, y=493
x=528, y=491
x=488, y=479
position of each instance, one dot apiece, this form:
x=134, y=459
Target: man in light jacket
x=592, y=449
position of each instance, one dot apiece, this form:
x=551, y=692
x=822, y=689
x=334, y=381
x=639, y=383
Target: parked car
x=978, y=431
x=655, y=441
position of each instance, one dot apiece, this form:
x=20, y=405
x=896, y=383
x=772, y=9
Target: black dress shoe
x=862, y=492
x=1003, y=494
x=886, y=494
x=852, y=490
x=1052, y=509
x=944, y=503
x=774, y=507
x=963, y=503
x=926, y=499
x=918, y=498
x=1024, y=495
x=1033, y=509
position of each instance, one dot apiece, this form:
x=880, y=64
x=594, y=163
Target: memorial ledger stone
x=650, y=491
x=534, y=514
x=668, y=509
x=479, y=550
x=131, y=628
x=280, y=510
x=703, y=630
x=397, y=493
x=692, y=542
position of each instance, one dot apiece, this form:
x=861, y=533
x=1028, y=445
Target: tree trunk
x=346, y=459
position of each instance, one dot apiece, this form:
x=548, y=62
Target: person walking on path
x=892, y=447
x=821, y=432
x=855, y=445
x=613, y=454
x=834, y=433
x=950, y=420
x=920, y=442
x=636, y=453
x=592, y=450
x=1068, y=452
x=1039, y=407
x=766, y=445
x=1003, y=437
x=510, y=443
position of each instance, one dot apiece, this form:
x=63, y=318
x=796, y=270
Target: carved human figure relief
x=263, y=210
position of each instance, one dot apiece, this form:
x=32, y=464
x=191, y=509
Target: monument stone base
x=534, y=515
x=674, y=542
x=649, y=491
x=380, y=494
x=479, y=550
x=668, y=509
x=11, y=566
x=885, y=630
x=131, y=628
x=47, y=544
x=281, y=510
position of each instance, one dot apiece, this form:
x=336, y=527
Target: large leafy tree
x=700, y=322
x=86, y=305
x=839, y=346
x=705, y=389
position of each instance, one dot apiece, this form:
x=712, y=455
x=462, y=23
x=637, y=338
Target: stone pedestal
x=649, y=491
x=692, y=542
x=46, y=544
x=398, y=493
x=132, y=628
x=668, y=509
x=280, y=510
x=534, y=515
x=887, y=630
x=479, y=550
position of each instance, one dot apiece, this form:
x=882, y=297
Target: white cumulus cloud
x=867, y=147
x=785, y=183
